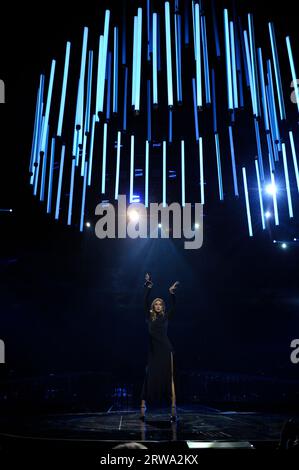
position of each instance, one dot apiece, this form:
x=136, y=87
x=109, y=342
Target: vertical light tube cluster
x=234, y=65
x=228, y=62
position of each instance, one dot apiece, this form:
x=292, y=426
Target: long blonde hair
x=152, y=311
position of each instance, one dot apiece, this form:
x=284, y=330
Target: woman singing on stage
x=158, y=386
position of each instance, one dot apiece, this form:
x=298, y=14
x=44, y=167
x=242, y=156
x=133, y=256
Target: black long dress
x=157, y=385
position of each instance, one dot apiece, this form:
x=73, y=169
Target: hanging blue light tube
x=198, y=58
x=216, y=33
x=195, y=109
x=36, y=128
x=286, y=175
x=90, y=160
x=44, y=168
x=146, y=172
x=178, y=58
x=214, y=102
x=117, y=165
x=241, y=34
x=125, y=99
x=228, y=62
x=36, y=155
x=124, y=36
x=183, y=173
x=260, y=194
x=87, y=110
x=168, y=54
x=104, y=158
x=254, y=64
x=273, y=184
x=164, y=174
x=37, y=163
x=149, y=117
x=155, y=60
x=270, y=152
x=249, y=69
x=273, y=113
x=234, y=66
x=108, y=102
x=134, y=61
x=232, y=152
x=219, y=171
x=240, y=82
x=277, y=72
x=58, y=197
x=170, y=126
x=50, y=183
x=83, y=198
x=186, y=22
x=263, y=88
x=294, y=155
x=138, y=63
x=71, y=197
x=247, y=202
x=103, y=64
x=48, y=106
x=115, y=71
x=159, y=43
x=201, y=171
x=80, y=99
x=259, y=149
x=293, y=70
x=194, y=31
x=206, y=60
x=64, y=87
x=132, y=168
x=148, y=22
x=101, y=72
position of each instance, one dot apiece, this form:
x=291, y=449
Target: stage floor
x=195, y=423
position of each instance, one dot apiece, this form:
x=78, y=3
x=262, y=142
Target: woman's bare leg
x=143, y=407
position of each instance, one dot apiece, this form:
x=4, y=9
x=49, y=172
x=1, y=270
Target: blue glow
x=44, y=168
x=64, y=87
x=168, y=54
x=134, y=61
x=108, y=101
x=259, y=149
x=37, y=168
x=277, y=72
x=247, y=202
x=170, y=126
x=59, y=182
x=286, y=174
x=254, y=65
x=138, y=60
x=250, y=77
x=149, y=114
x=103, y=64
x=263, y=86
x=272, y=106
x=37, y=129
x=260, y=193
x=177, y=24
x=274, y=198
x=214, y=103
x=104, y=158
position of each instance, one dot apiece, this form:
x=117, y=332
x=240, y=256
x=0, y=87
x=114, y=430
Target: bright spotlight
x=196, y=225
x=268, y=214
x=274, y=241
x=271, y=189
x=295, y=239
x=88, y=224
x=134, y=216
x=160, y=225
x=284, y=246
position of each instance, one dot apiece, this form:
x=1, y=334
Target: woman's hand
x=148, y=280
x=173, y=287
